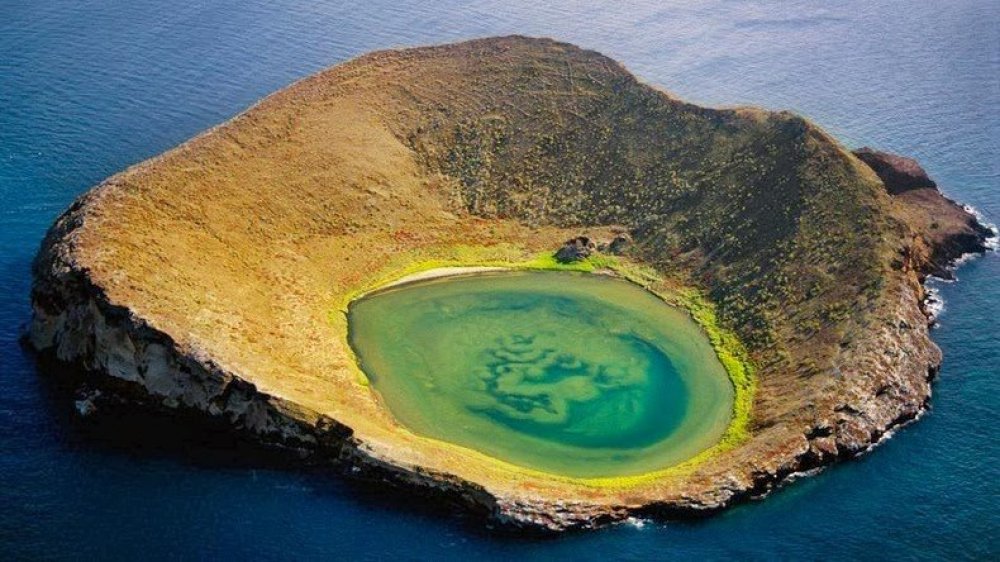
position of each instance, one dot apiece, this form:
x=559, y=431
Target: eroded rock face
x=899, y=173
x=945, y=230
x=581, y=247
x=88, y=311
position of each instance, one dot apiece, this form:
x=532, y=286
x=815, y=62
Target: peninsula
x=220, y=278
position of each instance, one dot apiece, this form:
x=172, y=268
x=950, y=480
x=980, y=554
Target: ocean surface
x=89, y=87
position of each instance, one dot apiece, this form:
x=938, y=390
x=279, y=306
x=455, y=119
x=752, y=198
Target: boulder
x=619, y=244
x=575, y=249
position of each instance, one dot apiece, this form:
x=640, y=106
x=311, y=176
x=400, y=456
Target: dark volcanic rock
x=575, y=249
x=898, y=173
x=944, y=230
x=617, y=245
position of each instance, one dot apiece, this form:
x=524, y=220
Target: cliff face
x=204, y=279
x=942, y=230
x=884, y=383
x=899, y=173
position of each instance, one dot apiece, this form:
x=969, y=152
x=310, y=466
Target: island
x=221, y=278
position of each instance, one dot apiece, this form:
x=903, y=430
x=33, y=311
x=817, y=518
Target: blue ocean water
x=88, y=87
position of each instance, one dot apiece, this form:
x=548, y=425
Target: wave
x=993, y=242
x=933, y=302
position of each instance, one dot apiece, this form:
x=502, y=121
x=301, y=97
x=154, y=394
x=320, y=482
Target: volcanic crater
x=217, y=277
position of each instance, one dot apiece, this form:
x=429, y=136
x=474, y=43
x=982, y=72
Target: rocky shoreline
x=879, y=380
x=955, y=231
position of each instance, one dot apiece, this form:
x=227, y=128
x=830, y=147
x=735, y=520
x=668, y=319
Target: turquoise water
x=574, y=374
x=89, y=87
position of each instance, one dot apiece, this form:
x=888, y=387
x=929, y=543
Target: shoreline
x=437, y=273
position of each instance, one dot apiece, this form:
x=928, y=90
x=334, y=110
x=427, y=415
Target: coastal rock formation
x=945, y=230
x=212, y=279
x=898, y=173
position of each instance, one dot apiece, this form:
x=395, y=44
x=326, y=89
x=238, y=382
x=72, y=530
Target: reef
x=214, y=279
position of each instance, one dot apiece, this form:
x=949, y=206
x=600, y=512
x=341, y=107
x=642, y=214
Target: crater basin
x=574, y=374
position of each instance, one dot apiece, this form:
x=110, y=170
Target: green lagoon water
x=575, y=374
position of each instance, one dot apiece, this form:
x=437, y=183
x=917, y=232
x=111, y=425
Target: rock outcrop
x=944, y=230
x=576, y=249
x=209, y=279
x=898, y=173
x=618, y=245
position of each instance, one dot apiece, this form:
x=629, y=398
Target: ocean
x=90, y=87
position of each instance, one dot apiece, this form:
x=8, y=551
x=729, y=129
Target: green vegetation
x=734, y=359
